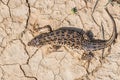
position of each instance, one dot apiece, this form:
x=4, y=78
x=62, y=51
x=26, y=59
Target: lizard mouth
x=29, y=43
x=33, y=42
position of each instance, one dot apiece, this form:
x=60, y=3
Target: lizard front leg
x=44, y=27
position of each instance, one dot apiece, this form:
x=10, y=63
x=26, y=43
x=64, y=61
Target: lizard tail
x=114, y=33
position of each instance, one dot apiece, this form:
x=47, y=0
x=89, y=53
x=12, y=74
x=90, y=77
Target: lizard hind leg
x=87, y=56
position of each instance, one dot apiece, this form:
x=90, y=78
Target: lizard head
x=33, y=42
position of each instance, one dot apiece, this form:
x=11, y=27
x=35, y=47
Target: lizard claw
x=88, y=56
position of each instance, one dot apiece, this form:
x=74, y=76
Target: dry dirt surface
x=18, y=61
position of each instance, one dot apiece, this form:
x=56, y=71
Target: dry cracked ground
x=18, y=18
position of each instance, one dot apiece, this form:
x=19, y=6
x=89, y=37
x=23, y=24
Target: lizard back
x=69, y=36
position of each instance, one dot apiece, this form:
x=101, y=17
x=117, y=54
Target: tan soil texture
x=18, y=61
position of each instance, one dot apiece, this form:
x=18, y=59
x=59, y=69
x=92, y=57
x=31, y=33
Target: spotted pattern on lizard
x=69, y=36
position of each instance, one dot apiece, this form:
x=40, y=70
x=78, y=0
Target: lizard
x=73, y=38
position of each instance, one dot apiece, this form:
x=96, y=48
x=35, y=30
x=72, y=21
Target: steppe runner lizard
x=73, y=38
